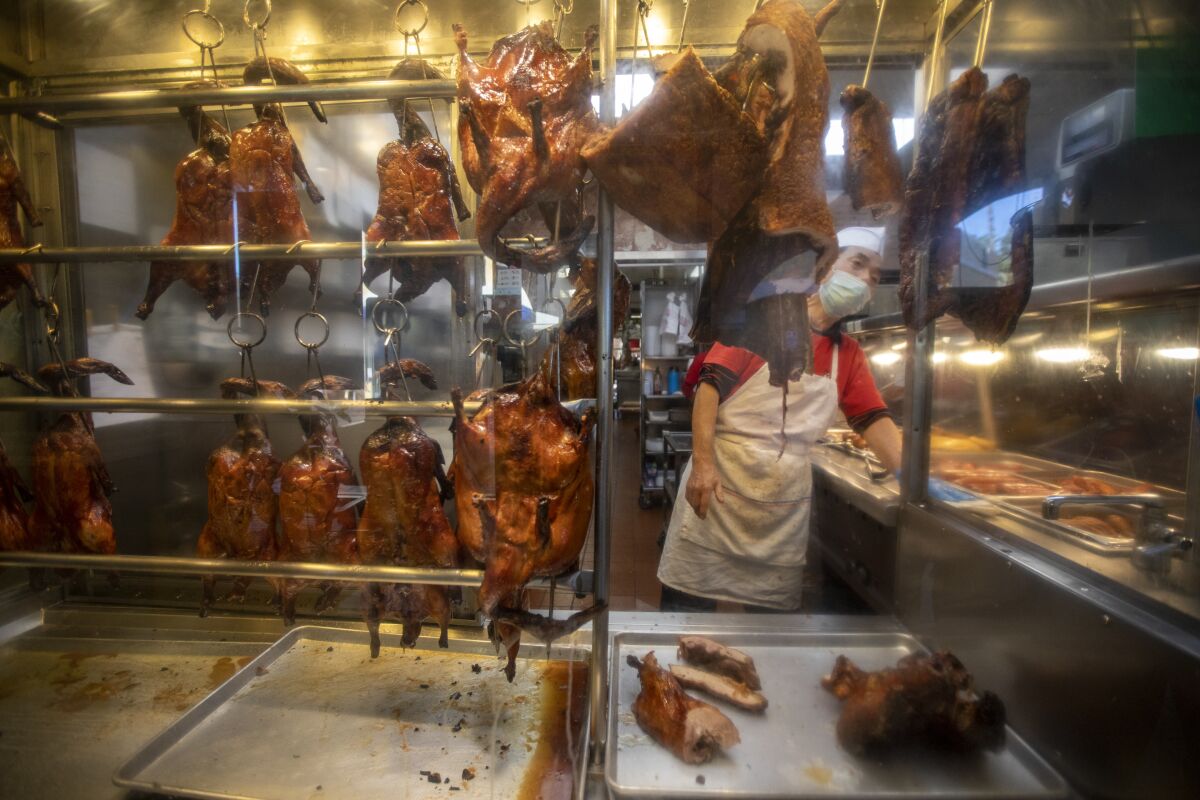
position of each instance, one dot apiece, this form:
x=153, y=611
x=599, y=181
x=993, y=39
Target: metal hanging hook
x=242, y=338
x=196, y=37
x=985, y=29
x=324, y=323
x=935, y=56
x=683, y=25
x=880, y=6
x=256, y=24
x=528, y=4
x=415, y=31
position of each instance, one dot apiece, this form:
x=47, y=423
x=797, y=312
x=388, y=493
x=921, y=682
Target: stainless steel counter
x=84, y=687
x=847, y=476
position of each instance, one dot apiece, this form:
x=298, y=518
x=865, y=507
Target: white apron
x=751, y=548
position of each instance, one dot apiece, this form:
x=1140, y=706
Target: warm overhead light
x=981, y=357
x=1063, y=355
x=899, y=345
x=1180, y=353
x=886, y=358
x=939, y=358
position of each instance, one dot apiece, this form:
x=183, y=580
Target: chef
x=743, y=532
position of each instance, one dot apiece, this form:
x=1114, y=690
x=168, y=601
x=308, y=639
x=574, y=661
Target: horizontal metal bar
x=228, y=96
x=249, y=405
x=178, y=565
x=254, y=252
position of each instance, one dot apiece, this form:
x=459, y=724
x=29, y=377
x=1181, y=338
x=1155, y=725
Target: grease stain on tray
x=225, y=668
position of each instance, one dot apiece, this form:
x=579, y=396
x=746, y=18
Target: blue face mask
x=842, y=294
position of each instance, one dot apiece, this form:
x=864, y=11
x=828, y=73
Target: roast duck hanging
x=242, y=505
x=203, y=214
x=71, y=484
x=403, y=523
x=316, y=524
x=263, y=158
x=14, y=494
x=419, y=197
x=13, y=194
x=572, y=359
x=523, y=492
x=524, y=115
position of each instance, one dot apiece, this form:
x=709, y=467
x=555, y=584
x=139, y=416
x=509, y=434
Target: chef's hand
x=703, y=484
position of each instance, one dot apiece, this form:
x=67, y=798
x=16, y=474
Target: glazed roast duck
x=525, y=113
x=13, y=194
x=14, y=493
x=523, y=491
x=419, y=198
x=203, y=214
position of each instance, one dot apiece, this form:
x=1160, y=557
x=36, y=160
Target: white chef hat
x=866, y=238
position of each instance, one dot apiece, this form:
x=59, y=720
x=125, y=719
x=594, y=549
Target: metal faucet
x=1159, y=542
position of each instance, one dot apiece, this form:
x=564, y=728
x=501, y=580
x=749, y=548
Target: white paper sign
x=508, y=281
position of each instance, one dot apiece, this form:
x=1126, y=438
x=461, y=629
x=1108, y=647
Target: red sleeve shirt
x=727, y=368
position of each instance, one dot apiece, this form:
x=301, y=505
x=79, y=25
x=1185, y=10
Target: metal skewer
x=881, y=4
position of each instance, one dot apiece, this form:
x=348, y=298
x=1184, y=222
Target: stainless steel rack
x=254, y=252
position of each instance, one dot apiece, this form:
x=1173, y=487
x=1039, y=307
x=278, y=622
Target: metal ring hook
x=247, y=344
x=324, y=323
x=376, y=316
x=53, y=316
x=518, y=342
x=195, y=38
x=256, y=25
x=411, y=32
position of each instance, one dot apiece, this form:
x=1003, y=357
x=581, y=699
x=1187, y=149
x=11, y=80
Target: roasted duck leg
x=264, y=157
x=203, y=214
x=71, y=484
x=523, y=492
x=403, y=523
x=524, y=116
x=242, y=506
x=13, y=194
x=929, y=698
x=691, y=729
x=418, y=186
x=14, y=494
x=316, y=525
x=578, y=335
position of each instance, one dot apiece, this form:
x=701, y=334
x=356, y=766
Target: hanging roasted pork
x=872, y=175
x=403, y=522
x=316, y=524
x=242, y=504
x=71, y=484
x=13, y=194
x=523, y=492
x=573, y=359
x=970, y=152
x=760, y=268
x=686, y=159
x=203, y=214
x=418, y=186
x=263, y=158
x=924, y=698
x=524, y=116
x=14, y=494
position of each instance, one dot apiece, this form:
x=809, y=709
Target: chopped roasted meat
x=971, y=151
x=14, y=494
x=203, y=214
x=872, y=174
x=419, y=196
x=686, y=159
x=242, y=505
x=263, y=157
x=1085, y=484
x=13, y=194
x=71, y=484
x=523, y=491
x=700, y=651
x=403, y=522
x=719, y=686
x=691, y=729
x=928, y=698
x=524, y=116
x=1114, y=526
x=577, y=338
x=316, y=524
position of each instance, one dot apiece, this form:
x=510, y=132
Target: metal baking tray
x=791, y=751
x=315, y=716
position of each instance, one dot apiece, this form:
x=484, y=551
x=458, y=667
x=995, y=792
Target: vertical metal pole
x=598, y=690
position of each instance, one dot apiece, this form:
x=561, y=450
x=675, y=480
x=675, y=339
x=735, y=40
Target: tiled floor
x=633, y=586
